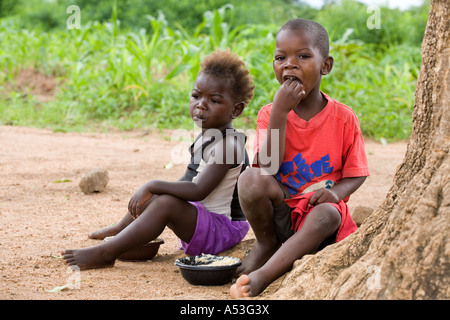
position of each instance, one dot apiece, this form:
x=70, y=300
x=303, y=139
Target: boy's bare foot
x=240, y=289
x=88, y=258
x=256, y=258
x=247, y=286
x=108, y=231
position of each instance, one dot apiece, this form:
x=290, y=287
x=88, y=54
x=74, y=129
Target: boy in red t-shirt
x=309, y=158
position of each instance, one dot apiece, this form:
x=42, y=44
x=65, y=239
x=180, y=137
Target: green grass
x=111, y=77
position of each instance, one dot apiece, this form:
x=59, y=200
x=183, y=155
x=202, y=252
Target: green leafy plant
x=111, y=76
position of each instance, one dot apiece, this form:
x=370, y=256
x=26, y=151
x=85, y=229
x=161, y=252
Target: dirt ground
x=43, y=211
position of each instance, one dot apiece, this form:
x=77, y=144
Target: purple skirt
x=214, y=233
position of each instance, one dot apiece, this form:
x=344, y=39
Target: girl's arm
x=205, y=182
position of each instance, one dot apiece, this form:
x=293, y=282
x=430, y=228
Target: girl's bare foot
x=112, y=230
x=88, y=258
x=108, y=231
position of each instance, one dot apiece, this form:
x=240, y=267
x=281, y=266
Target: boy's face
x=297, y=57
x=211, y=105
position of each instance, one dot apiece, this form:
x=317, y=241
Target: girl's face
x=211, y=104
x=297, y=57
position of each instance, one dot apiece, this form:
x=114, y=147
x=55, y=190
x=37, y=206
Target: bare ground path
x=43, y=211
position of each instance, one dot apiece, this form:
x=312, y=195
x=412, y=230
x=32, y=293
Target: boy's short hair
x=316, y=29
x=225, y=64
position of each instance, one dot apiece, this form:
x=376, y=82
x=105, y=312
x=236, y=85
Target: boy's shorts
x=283, y=216
x=214, y=233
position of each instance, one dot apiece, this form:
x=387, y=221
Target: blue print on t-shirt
x=301, y=172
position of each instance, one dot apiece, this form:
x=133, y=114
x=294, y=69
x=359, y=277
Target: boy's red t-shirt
x=319, y=152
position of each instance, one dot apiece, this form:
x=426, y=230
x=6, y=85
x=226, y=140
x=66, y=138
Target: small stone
x=94, y=181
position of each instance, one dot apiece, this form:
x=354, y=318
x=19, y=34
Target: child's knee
x=166, y=203
x=248, y=182
x=164, y=199
x=248, y=177
x=326, y=217
x=252, y=184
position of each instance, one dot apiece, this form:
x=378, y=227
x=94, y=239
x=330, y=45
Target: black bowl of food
x=208, y=269
x=142, y=253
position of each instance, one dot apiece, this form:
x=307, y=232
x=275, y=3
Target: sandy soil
x=41, y=215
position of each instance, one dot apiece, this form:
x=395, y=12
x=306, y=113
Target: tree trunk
x=402, y=249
